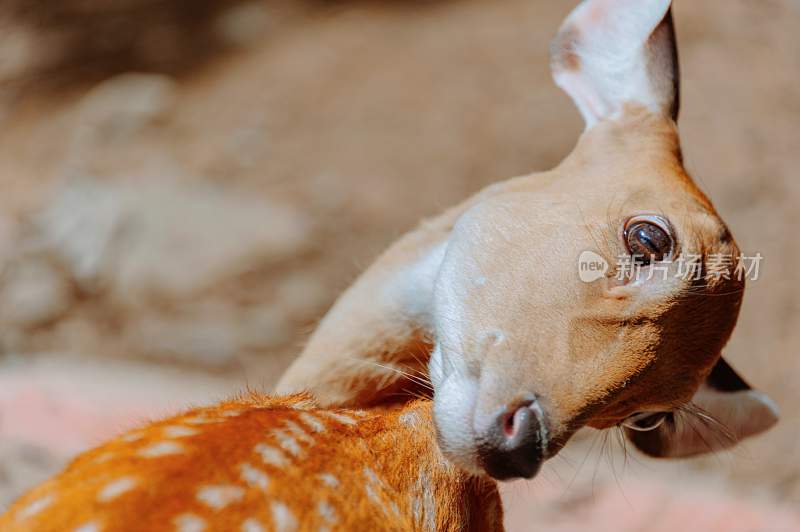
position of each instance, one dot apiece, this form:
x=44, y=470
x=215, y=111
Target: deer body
x=264, y=463
x=485, y=300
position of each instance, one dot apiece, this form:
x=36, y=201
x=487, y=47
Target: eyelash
x=631, y=421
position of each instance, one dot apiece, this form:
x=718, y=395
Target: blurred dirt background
x=186, y=185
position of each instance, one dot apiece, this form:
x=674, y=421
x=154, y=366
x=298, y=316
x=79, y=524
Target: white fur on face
x=455, y=396
x=414, y=285
x=455, y=384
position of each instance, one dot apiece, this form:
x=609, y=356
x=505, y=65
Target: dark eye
x=647, y=241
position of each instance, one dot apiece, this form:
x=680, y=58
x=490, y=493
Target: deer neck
x=381, y=325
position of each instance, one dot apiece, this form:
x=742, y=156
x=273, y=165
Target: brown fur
x=413, y=488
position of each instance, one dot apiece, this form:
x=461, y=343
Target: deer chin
x=455, y=398
x=507, y=442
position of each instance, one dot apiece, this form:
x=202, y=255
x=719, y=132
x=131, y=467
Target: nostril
x=509, y=424
x=517, y=419
x=514, y=447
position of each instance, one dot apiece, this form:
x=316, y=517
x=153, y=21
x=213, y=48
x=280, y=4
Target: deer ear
x=612, y=52
x=728, y=412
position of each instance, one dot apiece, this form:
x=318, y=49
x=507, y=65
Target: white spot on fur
x=283, y=518
x=312, y=422
x=371, y=475
x=329, y=480
x=251, y=525
x=416, y=508
x=304, y=404
x=178, y=431
x=131, y=437
x=189, y=523
x=103, y=457
x=200, y=419
x=35, y=507
x=218, y=497
x=87, y=527
x=298, y=432
x=341, y=418
x=373, y=483
x=326, y=511
x=163, y=448
x=253, y=476
x=409, y=419
x=428, y=501
x=372, y=494
x=271, y=455
x=287, y=442
x=230, y=413
x=114, y=489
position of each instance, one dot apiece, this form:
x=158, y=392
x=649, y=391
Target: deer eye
x=648, y=239
x=645, y=421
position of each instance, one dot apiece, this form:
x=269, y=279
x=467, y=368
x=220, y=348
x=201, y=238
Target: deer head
x=524, y=352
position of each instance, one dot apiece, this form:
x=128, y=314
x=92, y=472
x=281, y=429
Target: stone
x=243, y=24
x=165, y=240
x=33, y=292
x=120, y=106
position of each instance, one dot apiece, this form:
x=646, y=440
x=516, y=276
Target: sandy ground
x=171, y=237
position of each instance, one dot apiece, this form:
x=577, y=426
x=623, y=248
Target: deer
x=486, y=301
x=485, y=305
x=257, y=463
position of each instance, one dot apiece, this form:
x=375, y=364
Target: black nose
x=513, y=447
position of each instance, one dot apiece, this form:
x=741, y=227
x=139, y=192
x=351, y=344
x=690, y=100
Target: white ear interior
x=744, y=413
x=734, y=416
x=611, y=52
